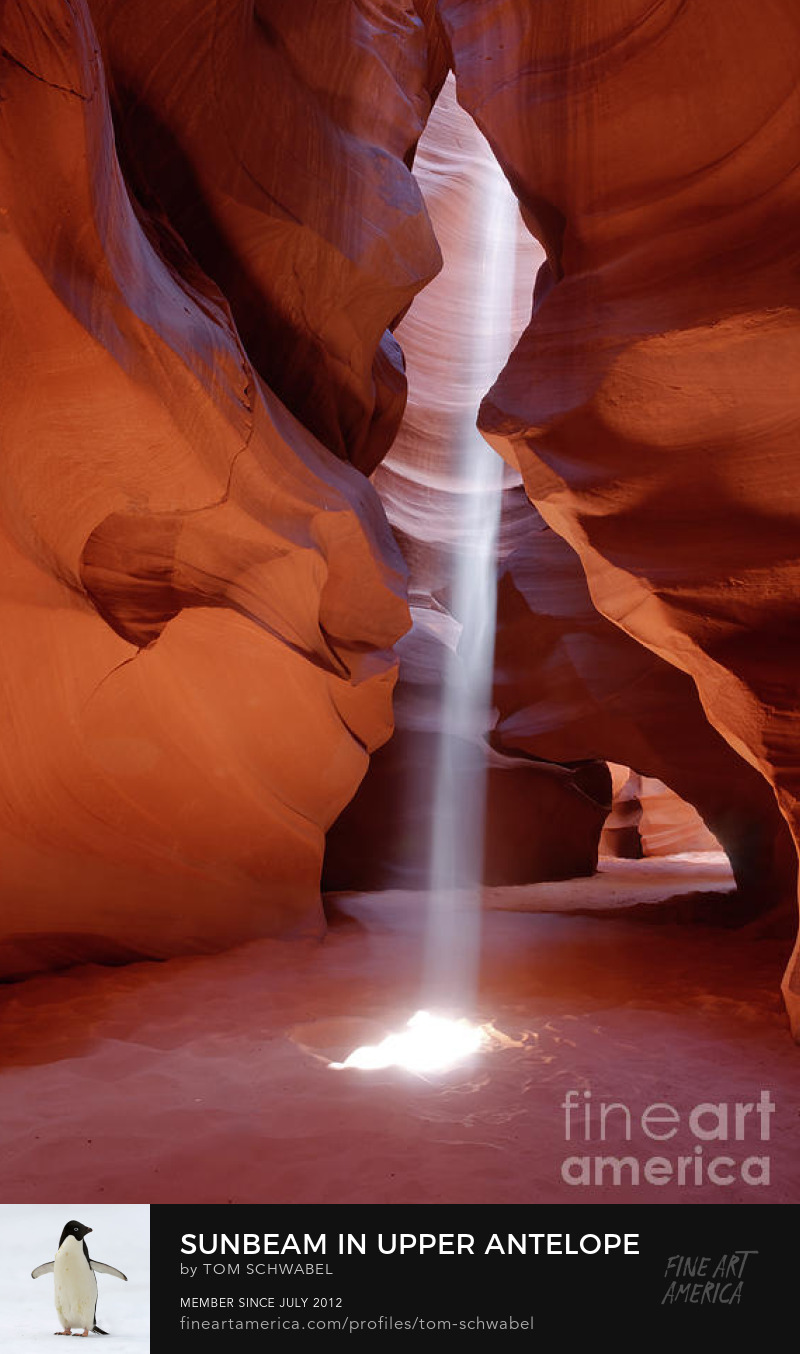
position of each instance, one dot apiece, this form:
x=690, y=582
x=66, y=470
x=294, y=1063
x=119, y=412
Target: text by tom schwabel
x=289, y=1244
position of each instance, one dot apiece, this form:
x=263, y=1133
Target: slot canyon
x=335, y=337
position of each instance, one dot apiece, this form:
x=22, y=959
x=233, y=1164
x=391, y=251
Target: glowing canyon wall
x=199, y=599
x=201, y=593
x=571, y=689
x=589, y=690
x=652, y=403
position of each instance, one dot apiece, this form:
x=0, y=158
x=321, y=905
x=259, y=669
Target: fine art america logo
x=723, y=1148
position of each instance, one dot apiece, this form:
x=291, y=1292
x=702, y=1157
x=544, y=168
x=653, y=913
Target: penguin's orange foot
x=85, y=1333
x=63, y=1332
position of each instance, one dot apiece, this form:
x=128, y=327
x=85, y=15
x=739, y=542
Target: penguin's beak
x=88, y=1230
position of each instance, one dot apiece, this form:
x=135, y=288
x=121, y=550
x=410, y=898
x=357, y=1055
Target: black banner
x=227, y=1277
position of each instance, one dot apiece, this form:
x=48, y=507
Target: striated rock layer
x=197, y=598
x=648, y=819
x=570, y=685
x=275, y=138
x=652, y=403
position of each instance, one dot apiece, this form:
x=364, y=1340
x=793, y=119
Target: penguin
x=75, y=1284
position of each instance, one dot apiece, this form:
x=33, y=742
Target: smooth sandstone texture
x=570, y=685
x=652, y=403
x=648, y=819
x=669, y=826
x=198, y=599
x=276, y=139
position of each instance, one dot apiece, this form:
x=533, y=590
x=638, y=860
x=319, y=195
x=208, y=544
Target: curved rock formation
x=197, y=597
x=570, y=685
x=652, y=403
x=648, y=819
x=276, y=140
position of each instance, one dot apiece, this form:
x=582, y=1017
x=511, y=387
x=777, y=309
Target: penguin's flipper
x=42, y=1269
x=96, y=1330
x=100, y=1268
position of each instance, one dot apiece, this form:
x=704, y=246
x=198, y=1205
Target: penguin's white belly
x=75, y=1286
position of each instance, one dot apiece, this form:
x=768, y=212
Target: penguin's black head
x=75, y=1229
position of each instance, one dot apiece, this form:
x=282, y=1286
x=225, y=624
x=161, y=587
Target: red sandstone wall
x=569, y=684
x=652, y=403
x=198, y=599
x=198, y=596
x=275, y=138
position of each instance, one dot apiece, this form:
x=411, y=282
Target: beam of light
x=473, y=482
x=456, y=859
x=429, y=1043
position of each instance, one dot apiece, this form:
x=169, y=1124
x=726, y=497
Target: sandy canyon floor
x=208, y=1079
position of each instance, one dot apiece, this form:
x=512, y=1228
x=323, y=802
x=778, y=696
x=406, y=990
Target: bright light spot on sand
x=429, y=1043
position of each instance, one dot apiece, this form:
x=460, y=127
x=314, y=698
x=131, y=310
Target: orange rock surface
x=652, y=402
x=276, y=139
x=198, y=598
x=648, y=819
x=200, y=591
x=570, y=685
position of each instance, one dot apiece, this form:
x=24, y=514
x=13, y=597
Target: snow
x=120, y=1236
x=208, y=1079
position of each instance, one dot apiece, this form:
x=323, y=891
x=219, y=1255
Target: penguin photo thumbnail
x=74, y=1279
